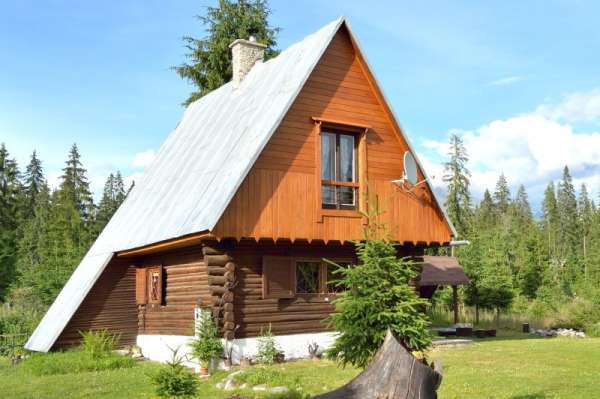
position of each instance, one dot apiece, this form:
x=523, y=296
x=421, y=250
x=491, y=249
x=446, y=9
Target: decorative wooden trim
x=191, y=239
x=341, y=122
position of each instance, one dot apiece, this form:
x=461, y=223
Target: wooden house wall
x=277, y=198
x=110, y=305
x=185, y=282
x=302, y=314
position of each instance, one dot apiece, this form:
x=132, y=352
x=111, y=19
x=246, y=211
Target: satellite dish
x=410, y=168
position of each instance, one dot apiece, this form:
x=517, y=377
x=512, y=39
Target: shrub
x=577, y=314
x=262, y=375
x=207, y=345
x=593, y=330
x=174, y=380
x=267, y=347
x=98, y=343
x=73, y=362
x=379, y=298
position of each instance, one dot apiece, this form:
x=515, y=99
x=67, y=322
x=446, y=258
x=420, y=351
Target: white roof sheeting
x=197, y=170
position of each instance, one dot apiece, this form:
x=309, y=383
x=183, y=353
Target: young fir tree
x=523, y=208
x=486, y=215
x=10, y=201
x=456, y=176
x=34, y=182
x=502, y=195
x=209, y=58
x=75, y=185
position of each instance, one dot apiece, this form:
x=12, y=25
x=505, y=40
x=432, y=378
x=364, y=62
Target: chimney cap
x=251, y=42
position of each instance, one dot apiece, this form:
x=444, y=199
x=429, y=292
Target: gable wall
x=277, y=198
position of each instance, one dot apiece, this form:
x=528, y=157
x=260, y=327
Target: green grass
x=515, y=367
x=512, y=366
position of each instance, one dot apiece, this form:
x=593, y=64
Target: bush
x=267, y=347
x=593, y=330
x=577, y=314
x=207, y=345
x=174, y=380
x=73, y=362
x=98, y=343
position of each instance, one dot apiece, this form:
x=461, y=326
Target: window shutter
x=278, y=277
x=140, y=286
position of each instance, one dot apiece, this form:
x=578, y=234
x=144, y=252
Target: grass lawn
x=511, y=367
x=506, y=367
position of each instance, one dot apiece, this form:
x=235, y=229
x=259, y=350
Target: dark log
x=394, y=373
x=229, y=276
x=217, y=260
x=228, y=316
x=206, y=250
x=216, y=280
x=230, y=267
x=216, y=270
x=229, y=335
x=228, y=325
x=217, y=290
x=228, y=297
x=228, y=307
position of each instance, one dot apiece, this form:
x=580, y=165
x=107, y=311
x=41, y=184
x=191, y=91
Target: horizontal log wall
x=186, y=281
x=286, y=316
x=109, y=305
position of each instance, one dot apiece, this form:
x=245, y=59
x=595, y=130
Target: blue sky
x=519, y=80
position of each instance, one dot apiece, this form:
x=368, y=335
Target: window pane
x=328, y=195
x=307, y=277
x=346, y=158
x=328, y=156
x=347, y=196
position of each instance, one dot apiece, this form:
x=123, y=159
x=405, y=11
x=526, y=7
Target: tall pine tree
x=502, y=195
x=34, y=182
x=568, y=232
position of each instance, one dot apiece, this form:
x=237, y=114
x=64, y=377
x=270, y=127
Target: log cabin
x=261, y=180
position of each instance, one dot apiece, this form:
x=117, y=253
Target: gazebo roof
x=442, y=270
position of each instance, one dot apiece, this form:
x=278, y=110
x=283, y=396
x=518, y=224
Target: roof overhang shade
x=442, y=270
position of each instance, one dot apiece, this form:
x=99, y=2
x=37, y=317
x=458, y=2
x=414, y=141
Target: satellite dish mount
x=408, y=182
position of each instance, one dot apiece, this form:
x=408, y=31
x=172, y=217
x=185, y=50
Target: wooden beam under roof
x=191, y=239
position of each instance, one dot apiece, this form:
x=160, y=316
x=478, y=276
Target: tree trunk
x=476, y=314
x=394, y=373
x=498, y=318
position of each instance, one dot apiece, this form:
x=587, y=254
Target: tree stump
x=394, y=373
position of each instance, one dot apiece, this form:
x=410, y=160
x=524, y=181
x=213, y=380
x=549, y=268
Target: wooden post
x=455, y=302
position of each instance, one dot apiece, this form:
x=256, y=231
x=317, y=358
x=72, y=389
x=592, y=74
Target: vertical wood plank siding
x=277, y=198
x=186, y=281
x=109, y=305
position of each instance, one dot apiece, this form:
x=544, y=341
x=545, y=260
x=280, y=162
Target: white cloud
x=574, y=107
x=530, y=149
x=143, y=159
x=506, y=81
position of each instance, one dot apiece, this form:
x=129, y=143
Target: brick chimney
x=245, y=53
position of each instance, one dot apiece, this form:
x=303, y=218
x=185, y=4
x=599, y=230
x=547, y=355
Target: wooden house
x=260, y=181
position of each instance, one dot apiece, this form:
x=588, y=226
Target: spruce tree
x=10, y=201
x=502, y=195
x=76, y=186
x=568, y=233
x=209, y=58
x=550, y=220
x=522, y=207
x=34, y=182
x=456, y=176
x=585, y=210
x=112, y=197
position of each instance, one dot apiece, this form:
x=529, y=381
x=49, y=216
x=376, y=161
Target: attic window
x=339, y=180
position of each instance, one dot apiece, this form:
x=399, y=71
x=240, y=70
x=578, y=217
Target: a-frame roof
x=197, y=171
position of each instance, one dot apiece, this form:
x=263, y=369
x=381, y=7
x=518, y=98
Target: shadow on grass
x=502, y=335
x=538, y=395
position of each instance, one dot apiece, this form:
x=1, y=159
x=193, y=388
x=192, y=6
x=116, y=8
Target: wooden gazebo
x=442, y=271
